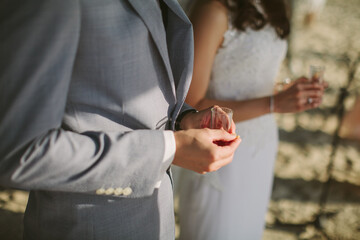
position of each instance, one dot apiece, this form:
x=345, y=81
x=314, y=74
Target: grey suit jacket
x=87, y=88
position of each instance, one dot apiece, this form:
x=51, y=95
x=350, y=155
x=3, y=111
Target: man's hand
x=196, y=149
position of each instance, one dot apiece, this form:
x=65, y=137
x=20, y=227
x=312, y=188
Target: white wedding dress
x=232, y=203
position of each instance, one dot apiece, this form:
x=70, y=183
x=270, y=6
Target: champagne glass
x=316, y=73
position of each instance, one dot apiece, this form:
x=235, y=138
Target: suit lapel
x=151, y=16
x=176, y=9
x=180, y=46
x=178, y=38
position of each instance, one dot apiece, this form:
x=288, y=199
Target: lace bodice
x=245, y=67
x=246, y=64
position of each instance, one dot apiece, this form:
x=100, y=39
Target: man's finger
x=227, y=149
x=221, y=134
x=233, y=127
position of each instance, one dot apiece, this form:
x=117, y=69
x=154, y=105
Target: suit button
x=109, y=191
x=100, y=191
x=118, y=191
x=127, y=191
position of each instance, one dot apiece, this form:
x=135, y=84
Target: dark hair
x=245, y=14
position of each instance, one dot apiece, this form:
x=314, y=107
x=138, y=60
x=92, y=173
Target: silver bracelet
x=271, y=103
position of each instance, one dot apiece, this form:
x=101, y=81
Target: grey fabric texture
x=87, y=89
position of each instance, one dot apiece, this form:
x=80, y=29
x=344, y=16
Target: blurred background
x=316, y=193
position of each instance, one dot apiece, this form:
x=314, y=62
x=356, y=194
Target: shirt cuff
x=169, y=153
x=170, y=147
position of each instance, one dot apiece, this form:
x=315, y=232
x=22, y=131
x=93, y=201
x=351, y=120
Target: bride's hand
x=301, y=95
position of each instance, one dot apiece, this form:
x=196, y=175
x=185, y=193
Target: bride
x=239, y=46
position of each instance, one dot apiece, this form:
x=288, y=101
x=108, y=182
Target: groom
x=88, y=89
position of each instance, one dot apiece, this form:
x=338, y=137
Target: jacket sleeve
x=38, y=48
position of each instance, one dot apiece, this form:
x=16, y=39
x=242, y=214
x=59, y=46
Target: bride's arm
x=210, y=22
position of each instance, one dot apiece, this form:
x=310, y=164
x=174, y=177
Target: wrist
x=271, y=104
x=180, y=141
x=181, y=122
